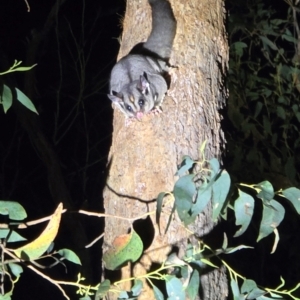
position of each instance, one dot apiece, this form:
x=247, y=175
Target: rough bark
x=144, y=155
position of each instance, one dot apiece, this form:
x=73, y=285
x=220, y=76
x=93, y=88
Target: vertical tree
x=144, y=155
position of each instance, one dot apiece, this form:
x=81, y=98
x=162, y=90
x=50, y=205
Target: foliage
x=199, y=181
x=127, y=247
x=263, y=106
x=6, y=97
x=13, y=260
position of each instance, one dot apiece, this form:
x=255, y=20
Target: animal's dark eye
x=141, y=102
x=128, y=107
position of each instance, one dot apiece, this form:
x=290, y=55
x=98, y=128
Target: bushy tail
x=163, y=31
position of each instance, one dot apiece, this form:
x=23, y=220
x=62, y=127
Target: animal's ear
x=143, y=84
x=115, y=97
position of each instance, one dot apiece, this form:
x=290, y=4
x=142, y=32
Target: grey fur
x=137, y=81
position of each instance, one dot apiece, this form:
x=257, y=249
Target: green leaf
x=158, y=294
x=185, y=272
x=277, y=22
x=170, y=218
x=174, y=259
x=239, y=47
x=137, y=287
x=225, y=242
x=69, y=255
x=16, y=269
x=255, y=293
x=125, y=248
x=281, y=99
x=192, y=289
x=266, y=92
x=243, y=209
x=123, y=295
x=293, y=195
x=265, y=191
x=159, y=203
x=234, y=249
x=6, y=296
x=207, y=262
x=6, y=98
x=204, y=194
x=248, y=285
x=274, y=295
x=289, y=38
x=268, y=42
x=220, y=191
x=266, y=298
x=50, y=248
x=184, y=192
x=174, y=288
x=273, y=214
x=14, y=236
x=36, y=248
x=21, y=69
x=14, y=210
x=250, y=288
x=102, y=289
x=25, y=101
x=215, y=166
x=186, y=165
x=235, y=289
x=281, y=112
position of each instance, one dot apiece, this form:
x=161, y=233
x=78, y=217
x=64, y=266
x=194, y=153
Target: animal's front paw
x=156, y=110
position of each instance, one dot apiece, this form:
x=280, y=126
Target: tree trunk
x=144, y=155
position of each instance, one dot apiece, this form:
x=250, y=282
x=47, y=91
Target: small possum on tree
x=138, y=81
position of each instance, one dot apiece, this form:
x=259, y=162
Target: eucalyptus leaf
x=265, y=191
x=137, y=287
x=186, y=165
x=158, y=294
x=184, y=193
x=215, y=166
x=6, y=98
x=293, y=195
x=16, y=269
x=14, y=236
x=125, y=248
x=25, y=101
x=70, y=256
x=102, y=289
x=204, y=194
x=193, y=287
x=159, y=203
x=174, y=288
x=235, y=289
x=267, y=41
x=14, y=210
x=273, y=214
x=243, y=209
x=220, y=191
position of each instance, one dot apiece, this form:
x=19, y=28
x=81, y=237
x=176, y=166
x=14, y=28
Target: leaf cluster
x=32, y=253
x=6, y=93
x=263, y=107
x=202, y=184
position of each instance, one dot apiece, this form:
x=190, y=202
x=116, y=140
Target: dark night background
x=75, y=55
